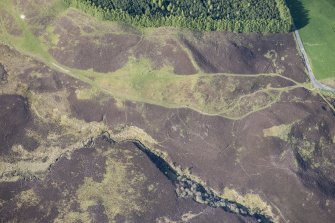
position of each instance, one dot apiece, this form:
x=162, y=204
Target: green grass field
x=318, y=36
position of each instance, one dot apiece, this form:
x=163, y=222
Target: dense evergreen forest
x=222, y=15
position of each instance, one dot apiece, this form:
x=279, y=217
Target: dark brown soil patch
x=9, y=23
x=88, y=29
x=105, y=54
x=14, y=118
x=8, y=190
x=312, y=141
x=37, y=17
x=245, y=54
x=224, y=53
x=3, y=74
x=97, y=214
x=167, y=53
x=102, y=53
x=66, y=27
x=47, y=81
x=41, y=79
x=87, y=110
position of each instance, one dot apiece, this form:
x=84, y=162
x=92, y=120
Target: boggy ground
x=233, y=112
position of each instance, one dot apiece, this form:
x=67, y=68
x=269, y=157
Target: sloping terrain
x=101, y=122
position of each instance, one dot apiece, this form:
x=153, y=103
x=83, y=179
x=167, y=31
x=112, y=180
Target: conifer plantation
x=203, y=15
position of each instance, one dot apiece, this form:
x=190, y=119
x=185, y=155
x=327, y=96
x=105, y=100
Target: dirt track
x=314, y=81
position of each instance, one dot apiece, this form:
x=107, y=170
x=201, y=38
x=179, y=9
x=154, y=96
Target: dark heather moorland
x=105, y=122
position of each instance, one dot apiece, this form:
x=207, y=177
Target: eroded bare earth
x=100, y=122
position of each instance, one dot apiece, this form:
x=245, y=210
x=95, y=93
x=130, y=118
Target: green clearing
x=27, y=41
x=138, y=81
x=318, y=36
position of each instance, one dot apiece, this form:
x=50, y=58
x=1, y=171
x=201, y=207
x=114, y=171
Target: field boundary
x=310, y=73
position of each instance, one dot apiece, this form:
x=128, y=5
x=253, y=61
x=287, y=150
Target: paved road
x=314, y=81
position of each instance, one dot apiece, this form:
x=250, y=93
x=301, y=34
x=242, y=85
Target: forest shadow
x=299, y=14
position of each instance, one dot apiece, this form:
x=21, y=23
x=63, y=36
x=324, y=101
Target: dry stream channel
x=189, y=188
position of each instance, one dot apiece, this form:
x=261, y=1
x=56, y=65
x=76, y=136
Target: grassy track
x=138, y=81
x=318, y=35
x=27, y=41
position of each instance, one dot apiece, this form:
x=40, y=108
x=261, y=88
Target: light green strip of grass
x=138, y=81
